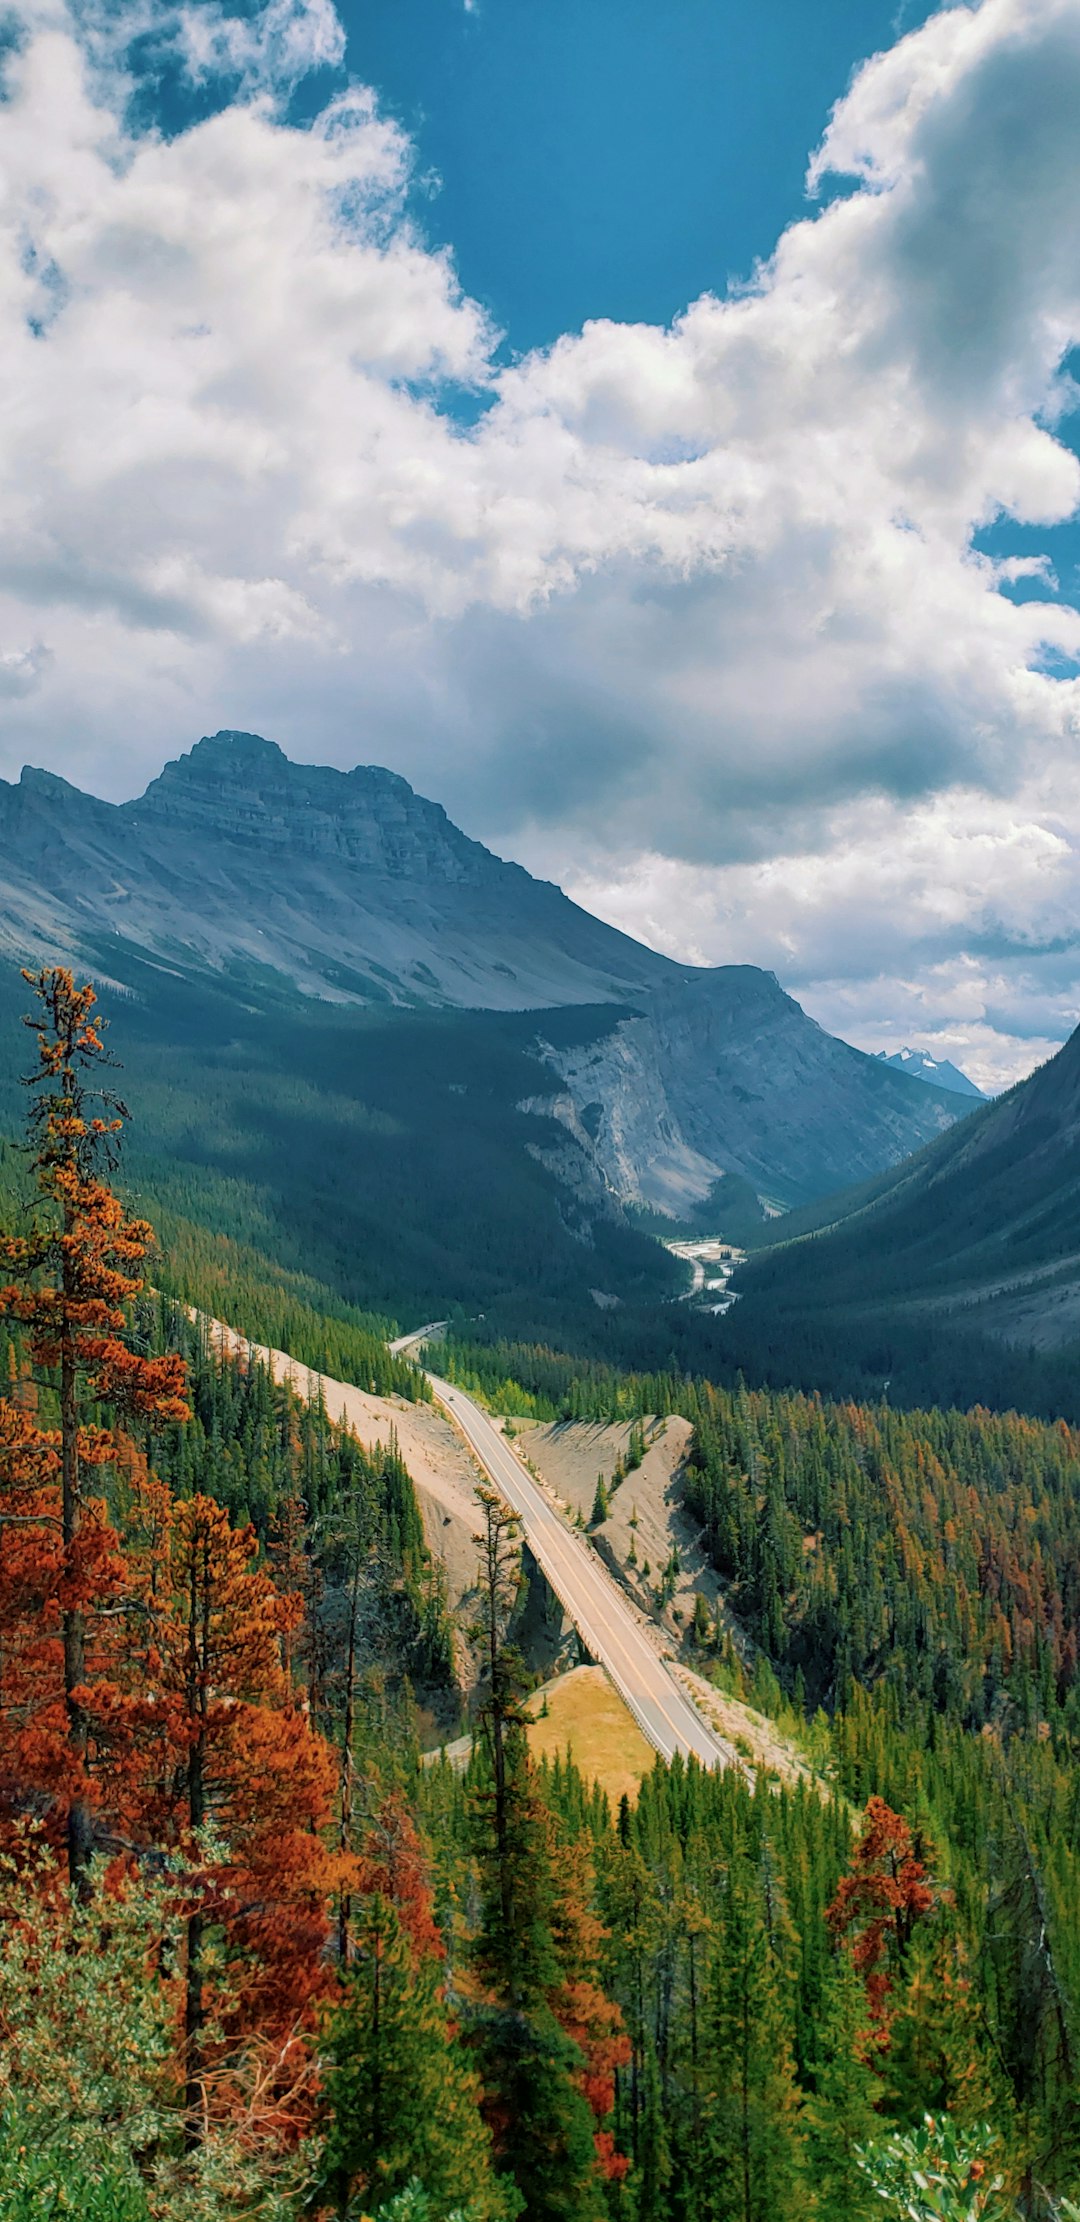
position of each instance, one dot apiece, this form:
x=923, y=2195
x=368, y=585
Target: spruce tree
x=530, y=2069
x=74, y=1275
x=937, y=2061
x=652, y=2176
x=750, y=2167
x=841, y=2117
x=401, y=2101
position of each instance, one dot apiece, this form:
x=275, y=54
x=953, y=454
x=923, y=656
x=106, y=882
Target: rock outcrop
x=722, y=1073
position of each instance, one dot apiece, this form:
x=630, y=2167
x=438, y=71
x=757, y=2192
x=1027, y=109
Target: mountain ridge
x=973, y=1242
x=348, y=887
x=940, y=1072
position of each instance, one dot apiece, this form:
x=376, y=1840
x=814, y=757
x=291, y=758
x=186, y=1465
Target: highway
x=588, y=1594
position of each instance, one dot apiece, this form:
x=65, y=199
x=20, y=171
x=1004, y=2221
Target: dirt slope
x=647, y=1520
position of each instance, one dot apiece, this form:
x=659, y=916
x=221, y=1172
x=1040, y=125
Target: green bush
x=937, y=2173
x=44, y=2183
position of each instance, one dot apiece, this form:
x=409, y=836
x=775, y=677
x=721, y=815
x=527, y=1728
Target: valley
x=713, y=1263
x=601, y=1625
x=266, y=1016
x=540, y=1111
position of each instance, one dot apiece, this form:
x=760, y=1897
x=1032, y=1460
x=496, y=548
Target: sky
x=654, y=431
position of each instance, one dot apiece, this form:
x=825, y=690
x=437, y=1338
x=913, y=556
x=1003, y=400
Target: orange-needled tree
x=72, y=1276
x=886, y=1892
x=230, y=1750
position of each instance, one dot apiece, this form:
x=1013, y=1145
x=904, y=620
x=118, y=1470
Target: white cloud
x=270, y=51
x=22, y=669
x=702, y=596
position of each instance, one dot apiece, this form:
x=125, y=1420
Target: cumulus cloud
x=695, y=613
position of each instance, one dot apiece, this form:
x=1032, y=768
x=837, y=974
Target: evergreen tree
x=531, y=2070
x=938, y=2061
x=750, y=2167
x=842, y=2117
x=652, y=2176
x=400, y=2099
x=75, y=1275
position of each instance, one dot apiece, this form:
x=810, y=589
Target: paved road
x=587, y=1592
x=591, y=1597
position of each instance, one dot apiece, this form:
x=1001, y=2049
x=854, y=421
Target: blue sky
x=617, y=158
x=651, y=429
x=610, y=158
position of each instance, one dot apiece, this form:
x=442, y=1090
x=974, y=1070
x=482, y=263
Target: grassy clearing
x=586, y=1714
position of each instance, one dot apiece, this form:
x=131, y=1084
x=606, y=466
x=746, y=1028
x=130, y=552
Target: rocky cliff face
x=347, y=883
x=236, y=787
x=351, y=887
x=723, y=1073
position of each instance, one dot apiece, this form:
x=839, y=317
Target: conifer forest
x=269, y=1951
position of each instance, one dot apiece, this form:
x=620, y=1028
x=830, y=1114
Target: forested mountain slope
x=255, y=1961
x=957, y=1277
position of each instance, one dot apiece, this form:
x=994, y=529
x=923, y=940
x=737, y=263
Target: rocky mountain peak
x=940, y=1072
x=240, y=787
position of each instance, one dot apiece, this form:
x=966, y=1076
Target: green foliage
x=528, y=2065
x=414, y=2205
x=282, y=1310
x=90, y=2113
x=841, y=2115
x=45, y=2183
x=400, y=2099
x=547, y=2144
x=936, y=1550
x=751, y=2155
x=275, y=1459
x=937, y=2173
x=362, y=1161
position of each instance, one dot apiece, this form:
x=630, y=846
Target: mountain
x=253, y=884
x=724, y=1077
x=939, y=1071
x=346, y=883
x=956, y=1277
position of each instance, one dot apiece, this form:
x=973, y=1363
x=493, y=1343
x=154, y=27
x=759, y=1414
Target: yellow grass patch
x=586, y=1713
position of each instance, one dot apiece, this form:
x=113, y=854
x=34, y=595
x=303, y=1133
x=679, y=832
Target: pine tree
x=400, y=2100
x=937, y=2062
x=842, y=2117
x=652, y=2176
x=500, y=1583
x=886, y=1892
x=750, y=2167
x=236, y=1752
x=74, y=1277
x=531, y=2070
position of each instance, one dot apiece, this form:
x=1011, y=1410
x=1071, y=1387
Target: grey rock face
x=348, y=883
x=353, y=888
x=239, y=788
x=724, y=1073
